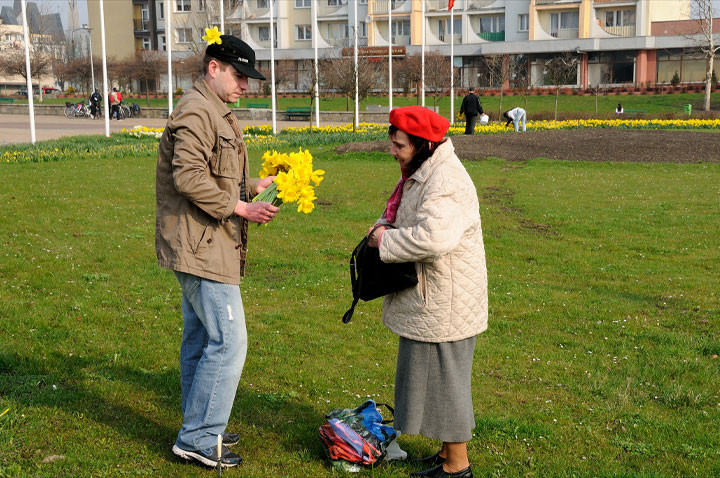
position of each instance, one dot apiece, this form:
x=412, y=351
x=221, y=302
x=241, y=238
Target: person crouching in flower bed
x=433, y=219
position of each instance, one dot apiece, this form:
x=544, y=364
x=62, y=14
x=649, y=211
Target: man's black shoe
x=439, y=472
x=230, y=439
x=431, y=460
x=209, y=457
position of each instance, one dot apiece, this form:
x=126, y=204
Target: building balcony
x=622, y=31
x=325, y=10
x=141, y=25
x=539, y=3
x=492, y=36
x=457, y=38
x=478, y=4
x=565, y=34
x=380, y=7
x=442, y=5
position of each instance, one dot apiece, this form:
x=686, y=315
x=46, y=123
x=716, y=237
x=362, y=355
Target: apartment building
x=613, y=41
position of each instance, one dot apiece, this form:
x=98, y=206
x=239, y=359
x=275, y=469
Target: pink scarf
x=395, y=198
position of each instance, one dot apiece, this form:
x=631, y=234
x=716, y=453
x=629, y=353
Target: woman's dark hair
x=423, y=149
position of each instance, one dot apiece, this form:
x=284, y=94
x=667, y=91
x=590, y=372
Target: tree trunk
x=147, y=92
x=596, y=101
x=708, y=80
x=557, y=93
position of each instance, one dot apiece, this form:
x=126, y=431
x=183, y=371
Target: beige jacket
x=201, y=163
x=438, y=228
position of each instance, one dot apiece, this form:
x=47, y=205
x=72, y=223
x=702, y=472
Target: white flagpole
x=272, y=68
x=222, y=17
x=28, y=77
x=315, y=47
x=357, y=94
x=422, y=57
x=390, y=56
x=452, y=63
x=168, y=46
x=106, y=97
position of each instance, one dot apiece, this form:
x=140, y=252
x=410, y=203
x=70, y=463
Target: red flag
x=451, y=4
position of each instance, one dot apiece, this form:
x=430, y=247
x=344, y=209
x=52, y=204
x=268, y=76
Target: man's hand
x=264, y=183
x=259, y=212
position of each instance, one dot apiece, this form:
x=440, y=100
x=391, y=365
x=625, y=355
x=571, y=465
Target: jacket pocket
x=225, y=162
x=422, y=282
x=200, y=234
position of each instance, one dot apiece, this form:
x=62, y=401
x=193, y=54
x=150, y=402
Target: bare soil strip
x=643, y=146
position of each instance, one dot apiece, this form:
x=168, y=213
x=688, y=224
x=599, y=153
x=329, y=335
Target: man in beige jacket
x=203, y=191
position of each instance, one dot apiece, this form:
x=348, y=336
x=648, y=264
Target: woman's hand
x=264, y=183
x=375, y=237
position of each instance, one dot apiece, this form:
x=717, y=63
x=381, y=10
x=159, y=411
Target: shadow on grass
x=125, y=398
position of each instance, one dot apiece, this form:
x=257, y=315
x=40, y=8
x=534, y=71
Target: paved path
x=16, y=128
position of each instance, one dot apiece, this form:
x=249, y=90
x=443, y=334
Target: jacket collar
x=214, y=100
x=444, y=151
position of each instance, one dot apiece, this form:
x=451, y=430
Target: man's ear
x=213, y=66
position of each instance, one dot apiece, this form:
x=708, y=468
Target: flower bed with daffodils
x=141, y=140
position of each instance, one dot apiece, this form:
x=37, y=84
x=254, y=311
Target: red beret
x=420, y=121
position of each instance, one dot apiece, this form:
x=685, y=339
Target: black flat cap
x=236, y=52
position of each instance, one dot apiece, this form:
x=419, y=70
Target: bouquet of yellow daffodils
x=295, y=181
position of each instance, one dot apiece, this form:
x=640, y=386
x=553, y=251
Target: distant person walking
x=95, y=100
x=115, y=100
x=516, y=116
x=471, y=108
x=619, y=110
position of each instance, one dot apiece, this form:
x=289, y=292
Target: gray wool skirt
x=432, y=389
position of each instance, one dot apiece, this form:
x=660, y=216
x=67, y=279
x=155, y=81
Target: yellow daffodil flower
x=212, y=35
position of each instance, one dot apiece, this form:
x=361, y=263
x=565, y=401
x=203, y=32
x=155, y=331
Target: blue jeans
x=519, y=118
x=212, y=356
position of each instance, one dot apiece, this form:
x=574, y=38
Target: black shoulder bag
x=372, y=278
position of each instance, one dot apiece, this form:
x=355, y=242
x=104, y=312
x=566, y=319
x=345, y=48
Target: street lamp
x=92, y=69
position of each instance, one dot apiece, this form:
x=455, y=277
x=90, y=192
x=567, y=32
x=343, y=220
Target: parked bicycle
x=76, y=110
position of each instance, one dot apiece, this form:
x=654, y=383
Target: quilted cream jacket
x=438, y=228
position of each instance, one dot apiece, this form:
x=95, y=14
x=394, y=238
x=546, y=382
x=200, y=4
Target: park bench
x=635, y=112
x=4, y=99
x=258, y=105
x=298, y=112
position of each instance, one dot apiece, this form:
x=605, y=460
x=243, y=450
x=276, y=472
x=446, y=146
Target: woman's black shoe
x=439, y=472
x=432, y=460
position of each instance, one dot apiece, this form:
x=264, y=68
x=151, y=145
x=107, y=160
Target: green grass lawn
x=653, y=104
x=599, y=360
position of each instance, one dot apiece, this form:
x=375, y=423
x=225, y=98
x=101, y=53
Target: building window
x=302, y=3
x=161, y=10
x=401, y=27
x=492, y=24
x=523, y=22
x=303, y=32
x=620, y=18
x=145, y=43
x=337, y=3
x=182, y=5
x=262, y=3
x=184, y=35
x=363, y=2
x=202, y=5
x=362, y=30
x=163, y=46
x=264, y=33
x=566, y=21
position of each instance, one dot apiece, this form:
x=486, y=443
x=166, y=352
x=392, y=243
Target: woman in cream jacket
x=433, y=219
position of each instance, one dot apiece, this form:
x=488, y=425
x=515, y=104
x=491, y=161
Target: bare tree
x=12, y=62
x=520, y=76
x=437, y=66
x=702, y=10
x=339, y=74
x=599, y=87
x=497, y=74
x=145, y=67
x=408, y=73
x=562, y=69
